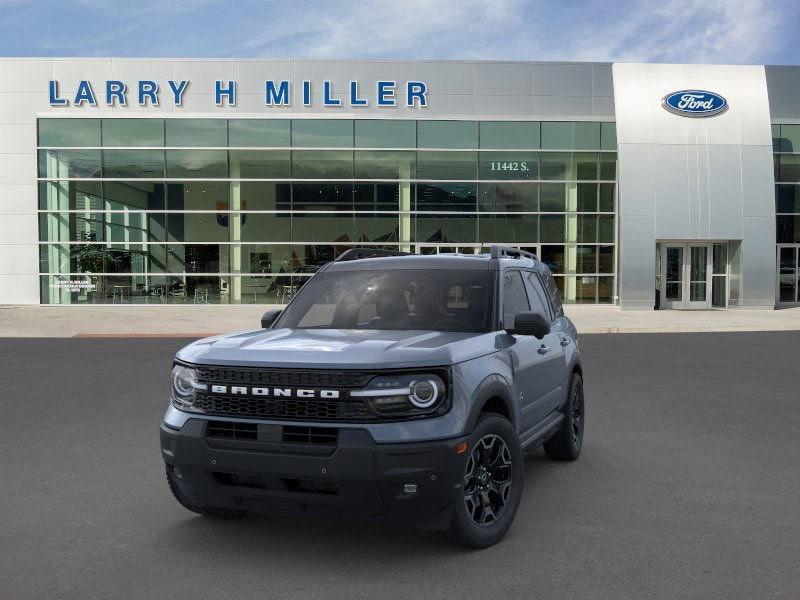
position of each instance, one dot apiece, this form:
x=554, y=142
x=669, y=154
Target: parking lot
x=688, y=487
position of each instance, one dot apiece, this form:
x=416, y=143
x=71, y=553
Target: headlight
x=184, y=387
x=405, y=395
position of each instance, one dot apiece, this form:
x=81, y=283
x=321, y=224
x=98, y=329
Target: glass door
x=672, y=264
x=686, y=276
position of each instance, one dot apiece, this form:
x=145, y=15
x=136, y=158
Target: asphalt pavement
x=688, y=487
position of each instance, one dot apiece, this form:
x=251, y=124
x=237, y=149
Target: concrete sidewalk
x=197, y=321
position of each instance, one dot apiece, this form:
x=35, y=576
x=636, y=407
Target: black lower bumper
x=355, y=478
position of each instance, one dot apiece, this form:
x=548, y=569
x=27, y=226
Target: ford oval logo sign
x=695, y=103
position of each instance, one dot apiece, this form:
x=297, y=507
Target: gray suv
x=392, y=387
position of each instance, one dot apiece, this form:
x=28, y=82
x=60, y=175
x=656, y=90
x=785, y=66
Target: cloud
x=714, y=31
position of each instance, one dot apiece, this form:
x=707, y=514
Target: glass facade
x=245, y=210
x=786, y=148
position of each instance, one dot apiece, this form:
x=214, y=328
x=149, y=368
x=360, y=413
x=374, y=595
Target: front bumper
x=355, y=478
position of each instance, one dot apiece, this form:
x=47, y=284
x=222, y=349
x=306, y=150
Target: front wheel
x=567, y=442
x=492, y=485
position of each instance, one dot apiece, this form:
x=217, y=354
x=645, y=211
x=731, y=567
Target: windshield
x=434, y=300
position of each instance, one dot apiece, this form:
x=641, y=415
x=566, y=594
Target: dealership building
x=127, y=181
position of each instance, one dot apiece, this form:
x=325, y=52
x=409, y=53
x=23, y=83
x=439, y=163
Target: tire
x=206, y=511
x=493, y=443
x=567, y=442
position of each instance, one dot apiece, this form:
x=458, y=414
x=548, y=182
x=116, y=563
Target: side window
x=515, y=298
x=552, y=291
x=539, y=302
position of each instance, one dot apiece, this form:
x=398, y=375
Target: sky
x=680, y=31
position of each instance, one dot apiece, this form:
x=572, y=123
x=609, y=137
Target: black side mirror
x=269, y=317
x=531, y=323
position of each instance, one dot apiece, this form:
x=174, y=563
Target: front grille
x=232, y=430
x=300, y=409
x=289, y=377
x=259, y=482
x=310, y=435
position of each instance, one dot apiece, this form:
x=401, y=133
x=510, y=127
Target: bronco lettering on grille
x=240, y=390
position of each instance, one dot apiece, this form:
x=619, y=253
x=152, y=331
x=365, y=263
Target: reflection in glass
x=447, y=165
x=132, y=164
x=65, y=133
x=133, y=132
x=322, y=133
x=197, y=164
x=383, y=133
x=509, y=134
x=260, y=164
x=322, y=164
x=508, y=197
x=460, y=197
x=447, y=134
x=259, y=133
x=64, y=164
x=198, y=133
x=512, y=229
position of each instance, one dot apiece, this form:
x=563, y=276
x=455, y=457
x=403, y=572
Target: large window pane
x=322, y=196
x=322, y=133
x=446, y=229
x=72, y=227
x=509, y=165
x=446, y=197
x=508, y=197
x=789, y=170
x=553, y=257
x=63, y=164
x=65, y=133
x=133, y=132
x=558, y=135
x=587, y=229
x=512, y=229
x=198, y=258
x=377, y=227
x=553, y=197
x=382, y=196
x=197, y=164
x=70, y=195
x=321, y=164
x=587, y=136
x=787, y=198
x=198, y=195
x=585, y=166
x=266, y=227
x=260, y=164
x=605, y=263
x=385, y=165
x=606, y=197
x=255, y=133
x=605, y=228
x=263, y=195
x=147, y=164
x=557, y=165
x=316, y=227
x=380, y=133
x=134, y=195
x=608, y=166
x=790, y=138
x=586, y=259
x=198, y=227
x=587, y=197
x=447, y=165
x=197, y=133
x=509, y=134
x=447, y=134
x=552, y=228
x=787, y=229
x=608, y=136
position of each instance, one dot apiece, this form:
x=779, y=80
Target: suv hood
x=339, y=348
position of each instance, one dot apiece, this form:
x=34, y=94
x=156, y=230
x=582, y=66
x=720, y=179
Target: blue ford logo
x=695, y=103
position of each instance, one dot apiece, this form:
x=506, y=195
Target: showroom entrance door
x=686, y=272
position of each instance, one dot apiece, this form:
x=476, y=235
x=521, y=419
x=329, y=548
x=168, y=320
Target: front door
x=686, y=275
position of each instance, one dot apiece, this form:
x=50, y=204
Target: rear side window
x=552, y=292
x=515, y=298
x=539, y=302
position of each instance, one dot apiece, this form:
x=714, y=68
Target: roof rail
x=509, y=252
x=359, y=253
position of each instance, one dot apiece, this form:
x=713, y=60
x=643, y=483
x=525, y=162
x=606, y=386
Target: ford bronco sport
x=392, y=387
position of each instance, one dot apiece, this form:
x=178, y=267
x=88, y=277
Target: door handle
x=565, y=341
x=543, y=349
